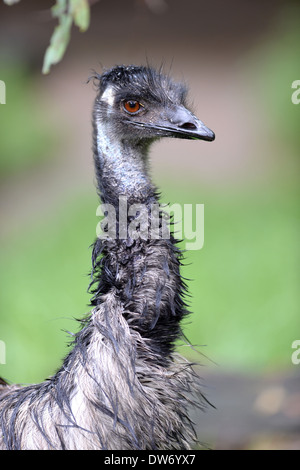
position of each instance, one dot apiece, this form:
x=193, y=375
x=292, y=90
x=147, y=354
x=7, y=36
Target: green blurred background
x=239, y=59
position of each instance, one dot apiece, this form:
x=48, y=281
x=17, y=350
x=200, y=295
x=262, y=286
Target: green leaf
x=80, y=11
x=58, y=43
x=11, y=2
x=59, y=8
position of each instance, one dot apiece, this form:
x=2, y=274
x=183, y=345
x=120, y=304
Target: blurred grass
x=44, y=278
x=244, y=282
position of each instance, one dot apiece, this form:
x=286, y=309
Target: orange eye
x=132, y=106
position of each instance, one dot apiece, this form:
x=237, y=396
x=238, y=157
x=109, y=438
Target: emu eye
x=132, y=106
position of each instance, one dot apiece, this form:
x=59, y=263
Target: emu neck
x=142, y=273
x=121, y=168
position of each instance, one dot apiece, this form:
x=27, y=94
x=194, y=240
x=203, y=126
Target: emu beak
x=178, y=122
x=182, y=123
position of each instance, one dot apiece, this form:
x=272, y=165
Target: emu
x=122, y=386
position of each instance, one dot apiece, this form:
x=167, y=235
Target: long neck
x=121, y=167
x=143, y=271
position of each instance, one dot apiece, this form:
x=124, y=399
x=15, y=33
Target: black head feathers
x=142, y=80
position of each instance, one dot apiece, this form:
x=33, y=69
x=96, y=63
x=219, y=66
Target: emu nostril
x=188, y=126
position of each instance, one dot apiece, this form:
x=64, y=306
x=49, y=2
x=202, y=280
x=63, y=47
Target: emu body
x=122, y=386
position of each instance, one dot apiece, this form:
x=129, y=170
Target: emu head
x=139, y=104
